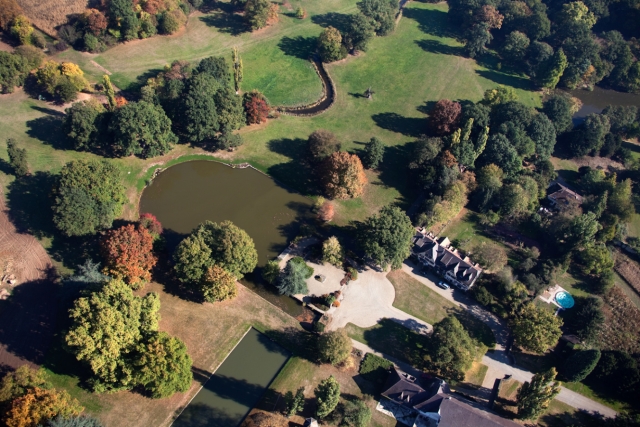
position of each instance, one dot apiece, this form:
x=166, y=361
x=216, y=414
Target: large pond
x=596, y=100
x=237, y=385
x=189, y=193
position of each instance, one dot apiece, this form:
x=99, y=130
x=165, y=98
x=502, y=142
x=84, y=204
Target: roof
x=310, y=422
x=436, y=405
x=562, y=194
x=441, y=254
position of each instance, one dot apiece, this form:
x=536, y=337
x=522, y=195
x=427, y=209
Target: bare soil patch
x=622, y=325
x=628, y=269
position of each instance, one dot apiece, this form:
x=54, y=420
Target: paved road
x=498, y=361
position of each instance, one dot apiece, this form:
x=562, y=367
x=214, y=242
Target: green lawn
x=465, y=232
x=587, y=391
x=475, y=375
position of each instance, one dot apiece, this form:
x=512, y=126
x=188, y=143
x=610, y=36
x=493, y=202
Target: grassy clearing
x=587, y=391
x=465, y=232
x=475, y=375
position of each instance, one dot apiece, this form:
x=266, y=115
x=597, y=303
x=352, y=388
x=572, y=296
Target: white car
x=443, y=285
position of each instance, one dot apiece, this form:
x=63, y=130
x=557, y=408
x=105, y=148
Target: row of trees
x=572, y=44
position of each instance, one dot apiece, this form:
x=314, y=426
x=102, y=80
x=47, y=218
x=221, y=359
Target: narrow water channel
x=189, y=193
x=596, y=100
x=237, y=386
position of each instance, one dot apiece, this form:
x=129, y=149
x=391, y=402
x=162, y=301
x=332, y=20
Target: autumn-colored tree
x=16, y=384
x=9, y=9
x=151, y=223
x=128, y=253
x=21, y=29
x=444, y=116
x=256, y=107
x=218, y=285
x=332, y=251
x=95, y=21
x=39, y=405
x=326, y=212
x=489, y=15
x=343, y=176
x=121, y=101
x=448, y=159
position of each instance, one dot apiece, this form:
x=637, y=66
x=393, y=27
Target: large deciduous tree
x=211, y=244
x=580, y=364
x=88, y=197
x=39, y=405
x=535, y=329
x=386, y=237
x=128, y=254
x=259, y=13
x=84, y=124
x=543, y=133
x=558, y=110
x=143, y=129
x=358, y=32
x=327, y=396
x=343, y=176
x=321, y=144
x=535, y=396
x=163, y=367
x=334, y=347
x=330, y=46
x=382, y=13
x=106, y=327
x=218, y=285
x=452, y=350
x=444, y=116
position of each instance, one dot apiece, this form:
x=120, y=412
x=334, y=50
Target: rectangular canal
x=237, y=385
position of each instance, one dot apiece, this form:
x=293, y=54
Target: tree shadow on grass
x=299, y=47
x=506, y=79
x=339, y=21
x=48, y=129
x=393, y=171
x=300, y=343
x=435, y=46
x=295, y=173
x=198, y=414
x=390, y=337
x=409, y=126
x=226, y=22
x=29, y=203
x=431, y=21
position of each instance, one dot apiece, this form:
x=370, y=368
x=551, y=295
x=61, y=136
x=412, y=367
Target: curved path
x=323, y=104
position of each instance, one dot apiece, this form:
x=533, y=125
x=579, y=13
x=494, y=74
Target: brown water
x=595, y=101
x=237, y=385
x=189, y=193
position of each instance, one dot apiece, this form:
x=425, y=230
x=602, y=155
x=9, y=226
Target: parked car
x=443, y=285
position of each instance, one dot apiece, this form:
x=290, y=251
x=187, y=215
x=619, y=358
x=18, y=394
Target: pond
x=237, y=385
x=189, y=193
x=596, y=100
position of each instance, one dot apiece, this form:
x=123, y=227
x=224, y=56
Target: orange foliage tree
x=343, y=176
x=9, y=9
x=256, y=107
x=326, y=212
x=96, y=21
x=39, y=405
x=151, y=223
x=128, y=254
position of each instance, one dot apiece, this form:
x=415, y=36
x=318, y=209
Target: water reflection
x=595, y=101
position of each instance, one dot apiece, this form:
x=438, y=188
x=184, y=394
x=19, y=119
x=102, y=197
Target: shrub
x=17, y=158
x=271, y=271
x=353, y=273
x=256, y=107
x=375, y=368
x=330, y=45
x=326, y=212
x=301, y=13
x=170, y=22
x=332, y=251
x=356, y=414
x=580, y=364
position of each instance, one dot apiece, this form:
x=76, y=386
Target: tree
x=199, y=109
x=590, y=136
x=534, y=396
x=122, y=16
x=332, y=251
x=218, y=285
x=9, y=10
x=358, y=32
x=75, y=421
x=271, y=271
x=580, y=364
x=490, y=255
x=210, y=244
x=513, y=200
x=143, y=129
x=452, y=350
x=543, y=133
x=237, y=69
x=83, y=124
x=515, y=46
x=500, y=152
x=95, y=21
x=88, y=196
x=499, y=95
x=476, y=39
x=553, y=70
x=17, y=383
x=256, y=107
x=293, y=280
x=257, y=13
x=65, y=91
x=128, y=255
x=13, y=71
x=163, y=365
x=536, y=329
x=151, y=224
x=373, y=153
x=558, y=110
x=582, y=230
x=17, y=158
x=109, y=92
x=386, y=237
x=444, y=116
x=106, y=328
x=356, y=414
x=334, y=347
x=382, y=14
x=589, y=319
x=343, y=176
x=171, y=21
x=327, y=396
x=330, y=46
x=21, y=29
x=489, y=179
x=595, y=258
x=321, y=144
x=38, y=405
x=326, y=211
x=294, y=403
x=217, y=67
x=489, y=15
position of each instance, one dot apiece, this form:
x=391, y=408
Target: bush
x=330, y=45
x=66, y=91
x=300, y=261
x=353, y=273
x=356, y=414
x=170, y=22
x=318, y=327
x=271, y=271
x=580, y=364
x=17, y=158
x=256, y=107
x=375, y=368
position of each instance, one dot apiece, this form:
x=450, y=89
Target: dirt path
x=27, y=317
